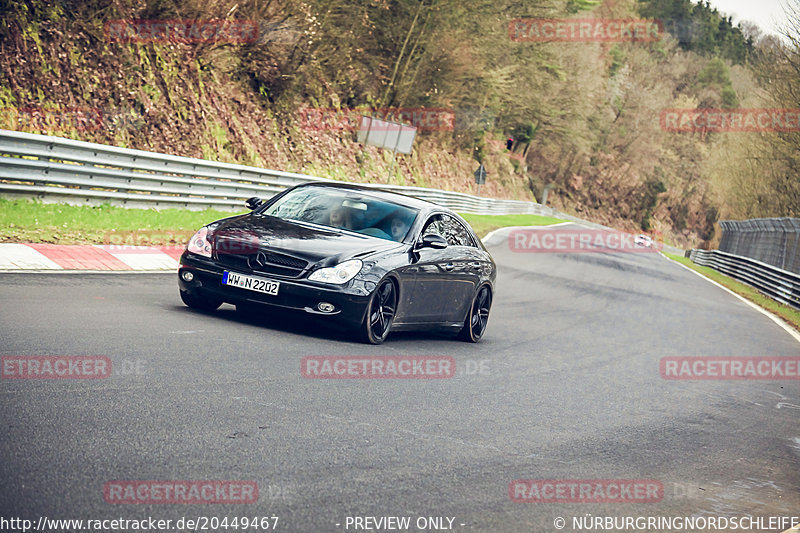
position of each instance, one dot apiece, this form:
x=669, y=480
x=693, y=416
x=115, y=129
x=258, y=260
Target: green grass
x=791, y=316
x=483, y=224
x=30, y=221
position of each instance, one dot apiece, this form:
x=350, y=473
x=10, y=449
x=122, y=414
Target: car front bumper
x=349, y=300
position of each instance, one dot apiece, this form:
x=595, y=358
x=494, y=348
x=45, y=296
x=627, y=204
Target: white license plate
x=267, y=286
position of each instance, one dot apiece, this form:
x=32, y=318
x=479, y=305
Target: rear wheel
x=199, y=302
x=380, y=313
x=478, y=316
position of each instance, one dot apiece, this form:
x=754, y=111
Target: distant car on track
x=643, y=240
x=371, y=260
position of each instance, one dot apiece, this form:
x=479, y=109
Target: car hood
x=248, y=234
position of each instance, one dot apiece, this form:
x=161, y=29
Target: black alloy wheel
x=478, y=317
x=380, y=313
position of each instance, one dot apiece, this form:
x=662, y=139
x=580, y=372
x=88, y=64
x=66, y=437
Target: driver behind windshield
x=398, y=228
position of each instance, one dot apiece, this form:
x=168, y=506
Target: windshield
x=346, y=210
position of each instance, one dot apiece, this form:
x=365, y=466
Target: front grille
x=275, y=264
x=286, y=261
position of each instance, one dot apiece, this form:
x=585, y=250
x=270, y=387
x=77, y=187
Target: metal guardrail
x=775, y=241
x=53, y=167
x=779, y=284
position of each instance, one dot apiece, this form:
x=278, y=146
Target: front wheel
x=380, y=313
x=198, y=302
x=478, y=316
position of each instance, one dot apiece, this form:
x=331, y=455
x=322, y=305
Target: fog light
x=187, y=276
x=325, y=307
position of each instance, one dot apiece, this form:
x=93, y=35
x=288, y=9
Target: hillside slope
x=584, y=116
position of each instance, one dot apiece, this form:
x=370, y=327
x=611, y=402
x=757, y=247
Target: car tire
x=478, y=316
x=380, y=313
x=198, y=302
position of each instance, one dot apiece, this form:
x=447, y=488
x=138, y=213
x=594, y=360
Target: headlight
x=200, y=244
x=341, y=273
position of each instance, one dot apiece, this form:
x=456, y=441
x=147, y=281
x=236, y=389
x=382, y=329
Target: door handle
x=449, y=267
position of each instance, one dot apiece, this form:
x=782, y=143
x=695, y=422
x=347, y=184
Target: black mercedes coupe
x=371, y=260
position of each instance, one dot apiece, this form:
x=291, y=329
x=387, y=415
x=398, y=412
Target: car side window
x=455, y=232
x=434, y=226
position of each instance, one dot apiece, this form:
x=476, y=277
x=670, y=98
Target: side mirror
x=252, y=203
x=437, y=242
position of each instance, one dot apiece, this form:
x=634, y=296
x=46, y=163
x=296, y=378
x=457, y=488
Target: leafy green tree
x=700, y=28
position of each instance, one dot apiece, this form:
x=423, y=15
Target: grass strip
x=23, y=220
x=484, y=224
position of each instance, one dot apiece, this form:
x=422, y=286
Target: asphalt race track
x=564, y=386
